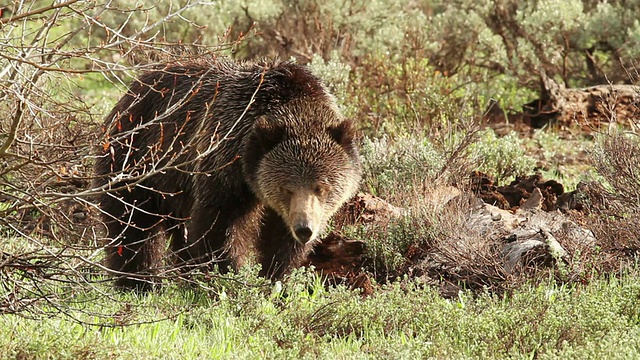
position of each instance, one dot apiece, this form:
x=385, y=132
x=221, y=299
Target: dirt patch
x=512, y=196
x=341, y=260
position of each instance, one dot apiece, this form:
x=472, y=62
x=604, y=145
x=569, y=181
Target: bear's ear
x=343, y=133
x=267, y=134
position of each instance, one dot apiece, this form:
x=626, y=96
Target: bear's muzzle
x=305, y=215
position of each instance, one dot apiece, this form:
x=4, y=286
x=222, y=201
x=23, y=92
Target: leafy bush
x=334, y=74
x=388, y=247
x=502, y=157
x=405, y=95
x=411, y=63
x=397, y=166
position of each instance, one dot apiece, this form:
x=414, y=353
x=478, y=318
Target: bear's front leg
x=203, y=245
x=221, y=237
x=279, y=251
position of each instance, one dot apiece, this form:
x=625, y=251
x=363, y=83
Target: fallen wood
x=590, y=108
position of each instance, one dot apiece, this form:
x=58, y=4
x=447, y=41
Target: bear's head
x=304, y=164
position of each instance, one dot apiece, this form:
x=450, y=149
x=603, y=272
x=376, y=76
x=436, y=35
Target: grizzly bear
x=226, y=160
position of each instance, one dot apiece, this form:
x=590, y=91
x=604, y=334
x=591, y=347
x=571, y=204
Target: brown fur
x=227, y=158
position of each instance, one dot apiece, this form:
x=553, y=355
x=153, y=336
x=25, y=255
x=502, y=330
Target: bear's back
x=174, y=114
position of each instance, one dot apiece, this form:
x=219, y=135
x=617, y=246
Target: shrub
x=616, y=159
x=502, y=157
x=396, y=166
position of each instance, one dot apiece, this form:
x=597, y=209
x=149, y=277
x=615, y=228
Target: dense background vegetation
x=418, y=78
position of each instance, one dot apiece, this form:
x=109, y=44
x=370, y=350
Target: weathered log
x=589, y=108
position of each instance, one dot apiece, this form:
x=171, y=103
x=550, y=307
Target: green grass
x=302, y=319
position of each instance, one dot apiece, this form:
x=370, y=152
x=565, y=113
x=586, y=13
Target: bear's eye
x=286, y=193
x=321, y=190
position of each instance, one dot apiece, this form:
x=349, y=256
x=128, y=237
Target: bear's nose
x=303, y=232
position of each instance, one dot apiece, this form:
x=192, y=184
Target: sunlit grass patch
x=303, y=319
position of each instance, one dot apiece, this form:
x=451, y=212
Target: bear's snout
x=305, y=215
x=302, y=231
